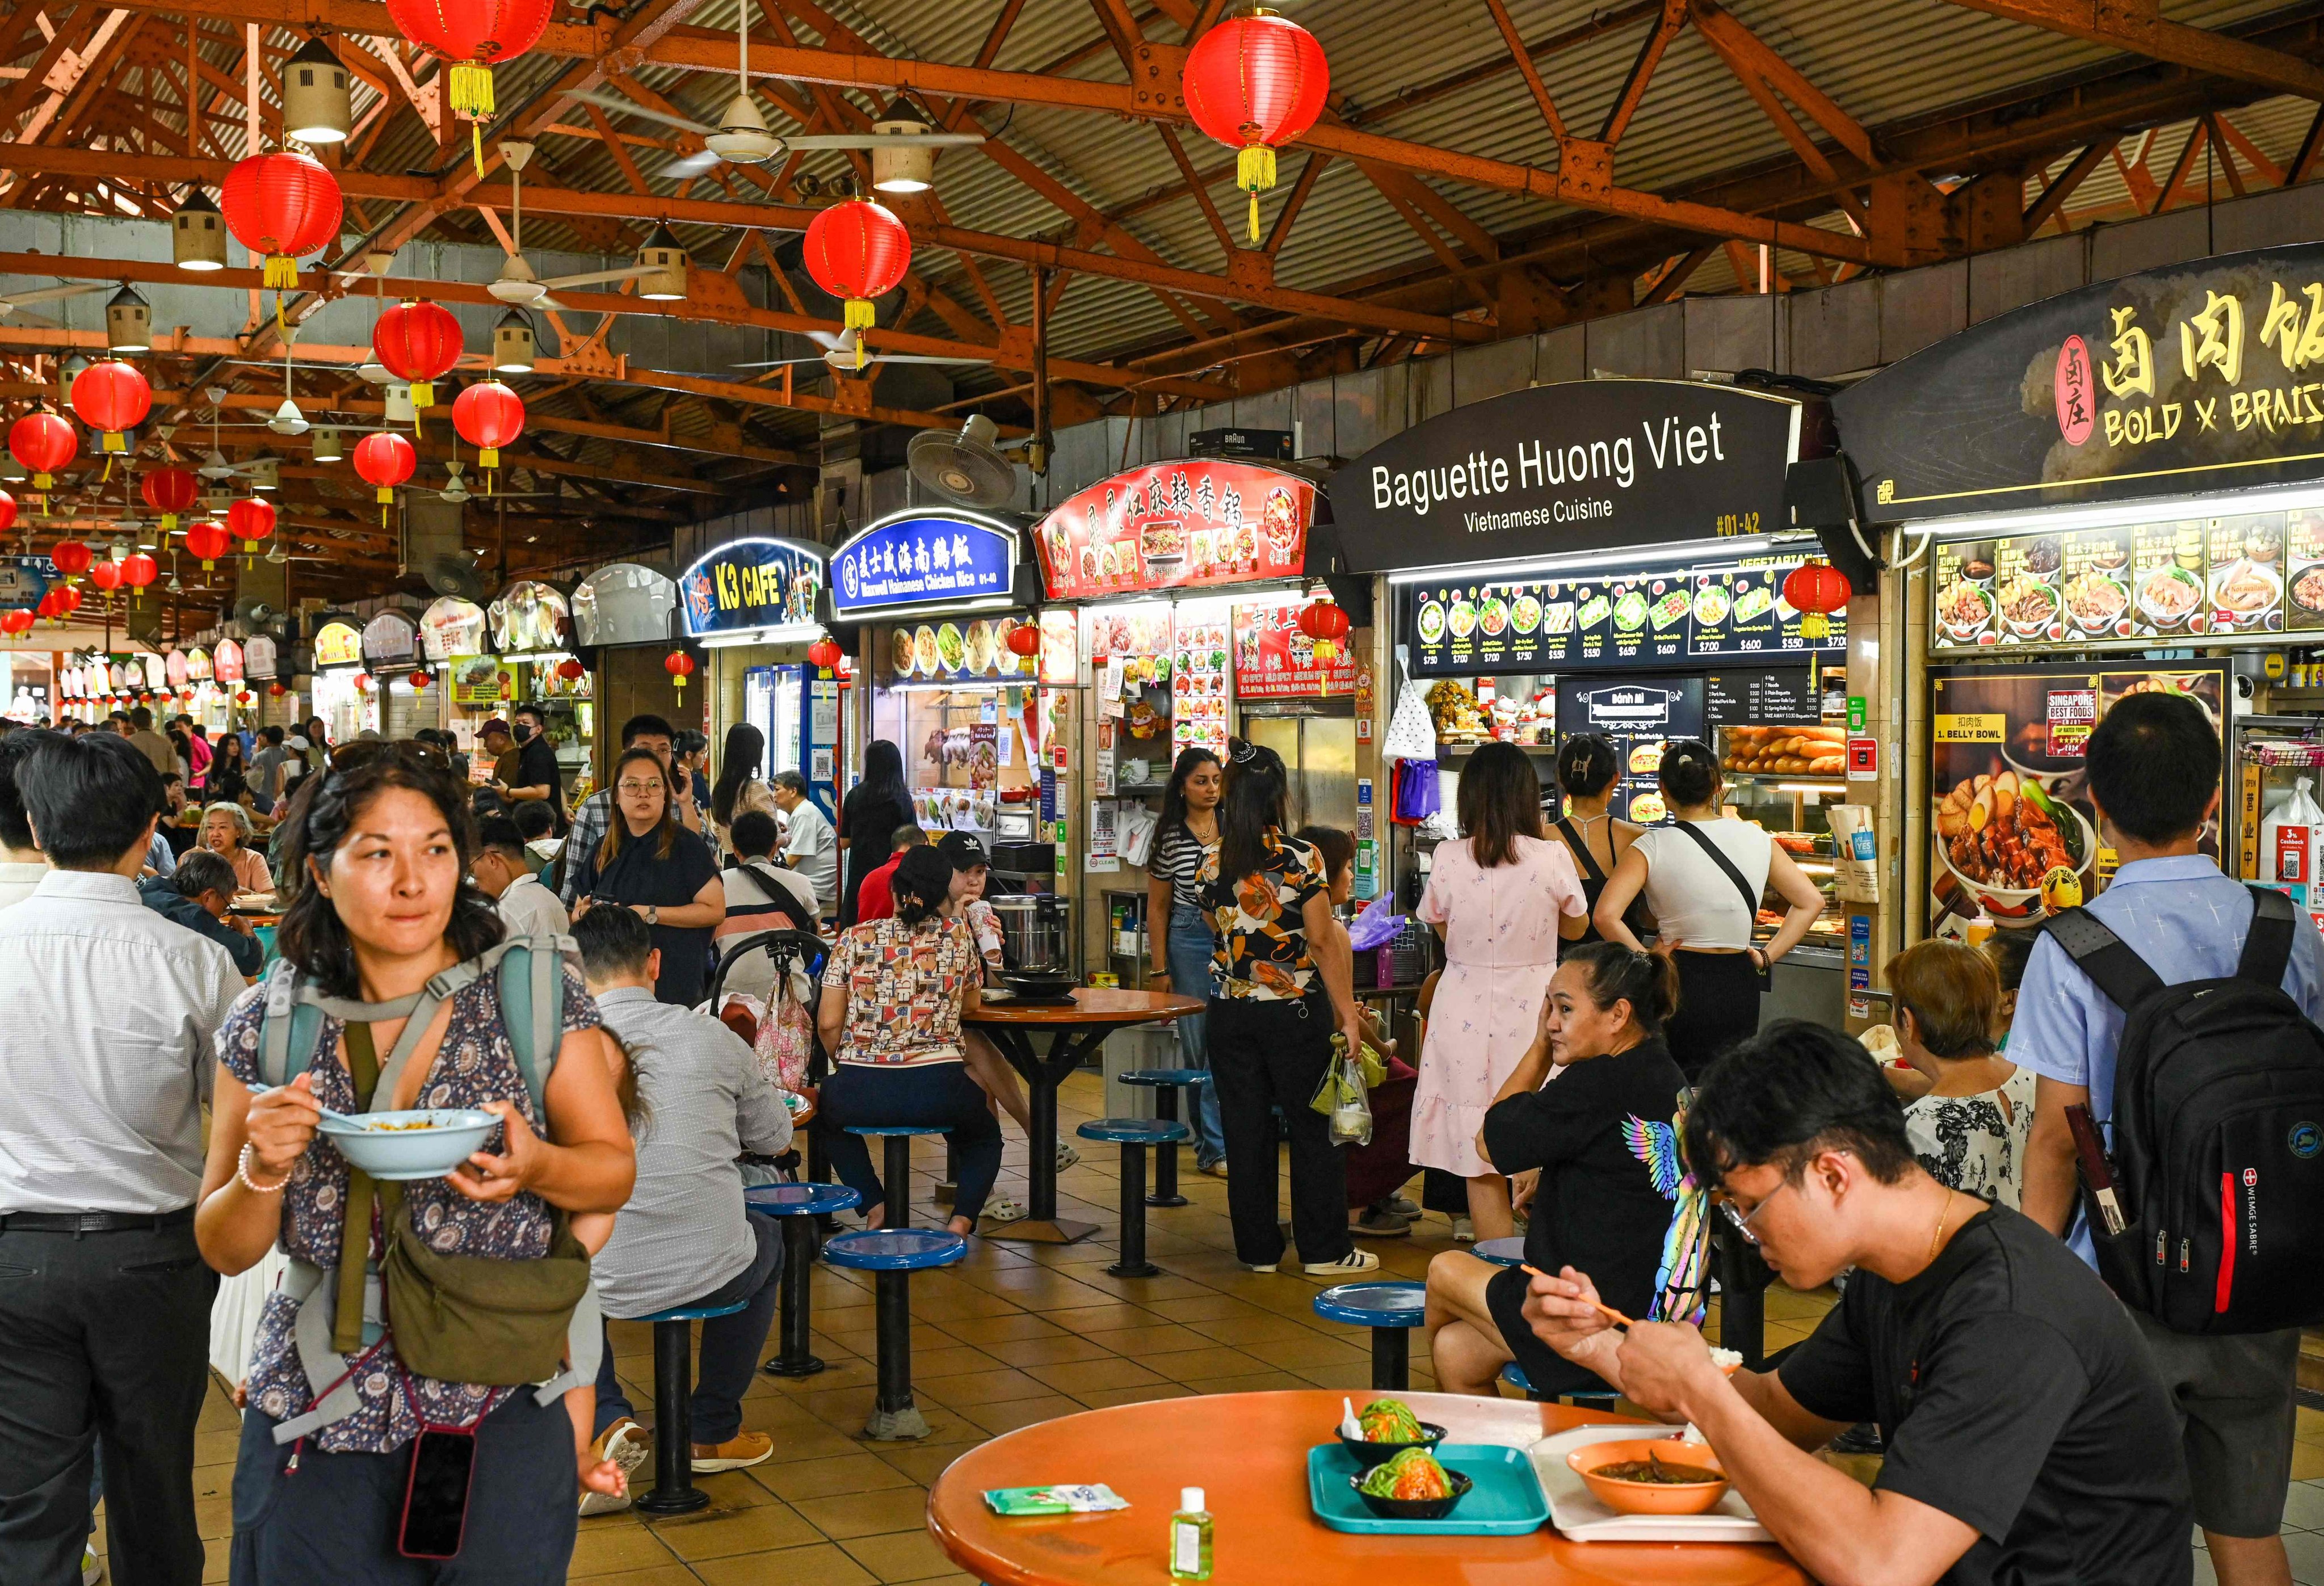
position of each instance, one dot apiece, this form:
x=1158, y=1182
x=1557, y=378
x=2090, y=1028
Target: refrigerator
x=1318, y=746
x=797, y=712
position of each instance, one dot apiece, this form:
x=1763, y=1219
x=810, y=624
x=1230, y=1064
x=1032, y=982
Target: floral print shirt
x=1262, y=951
x=474, y=1064
x=903, y=986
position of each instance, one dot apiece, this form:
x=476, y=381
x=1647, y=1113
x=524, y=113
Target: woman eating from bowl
x=225, y=827
x=379, y=909
x=1602, y=1139
x=654, y=866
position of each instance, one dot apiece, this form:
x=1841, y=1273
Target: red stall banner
x=1273, y=659
x=1192, y=523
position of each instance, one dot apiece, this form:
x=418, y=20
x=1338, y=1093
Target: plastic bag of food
x=1341, y=1097
x=2288, y=836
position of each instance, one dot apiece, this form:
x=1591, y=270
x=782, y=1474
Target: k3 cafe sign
x=2203, y=376
x=1578, y=466
x=751, y=584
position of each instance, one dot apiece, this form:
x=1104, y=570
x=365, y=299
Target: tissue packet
x=1063, y=1499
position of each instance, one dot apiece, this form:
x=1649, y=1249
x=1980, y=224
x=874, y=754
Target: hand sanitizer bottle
x=1190, y=1537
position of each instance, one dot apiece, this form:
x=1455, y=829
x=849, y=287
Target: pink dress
x=1500, y=948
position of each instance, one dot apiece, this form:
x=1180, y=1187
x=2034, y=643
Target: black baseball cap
x=964, y=850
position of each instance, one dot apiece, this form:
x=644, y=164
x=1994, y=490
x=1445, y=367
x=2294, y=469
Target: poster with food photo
x=2303, y=552
x=2015, y=835
x=1197, y=649
x=2026, y=602
x=2246, y=573
x=1964, y=614
x=1752, y=627
x=2168, y=598
x=2094, y=597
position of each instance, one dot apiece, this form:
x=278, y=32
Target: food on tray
x=1089, y=564
x=1411, y=1475
x=2245, y=589
x=1669, y=608
x=1454, y=710
x=1964, y=609
x=1525, y=613
x=1462, y=619
x=1493, y=616
x=392, y=1127
x=2307, y=590
x=2168, y=594
x=978, y=645
x=1004, y=657
x=2028, y=603
x=1390, y=1420
x=924, y=649
x=1753, y=602
x=1163, y=542
x=1431, y=622
x=1711, y=603
x=1557, y=618
x=2094, y=600
x=1630, y=612
x=1593, y=611
x=951, y=648
x=2004, y=831
x=1280, y=518
x=2041, y=556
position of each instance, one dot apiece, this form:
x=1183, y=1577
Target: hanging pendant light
x=129, y=323
x=315, y=95
x=664, y=258
x=198, y=233
x=328, y=446
x=513, y=346
x=264, y=473
x=397, y=397
x=898, y=167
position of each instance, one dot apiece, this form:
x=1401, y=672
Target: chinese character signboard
x=226, y=661
x=530, y=619
x=2203, y=376
x=389, y=640
x=1194, y=523
x=749, y=586
x=923, y=560
x=258, y=661
x=1273, y=659
x=450, y=627
x=339, y=644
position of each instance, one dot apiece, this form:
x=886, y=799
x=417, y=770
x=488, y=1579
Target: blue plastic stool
x=1134, y=1134
x=674, y=1491
x=1500, y=1252
x=798, y=1205
x=1165, y=1083
x=1515, y=1379
x=892, y=1255
x=896, y=1171
x=1390, y=1307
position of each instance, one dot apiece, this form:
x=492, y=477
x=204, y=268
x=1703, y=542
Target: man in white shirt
x=810, y=848
x=106, y=1058
x=526, y=907
x=21, y=864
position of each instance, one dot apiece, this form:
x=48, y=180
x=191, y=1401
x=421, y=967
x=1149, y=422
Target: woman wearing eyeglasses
x=1601, y=1138
x=667, y=874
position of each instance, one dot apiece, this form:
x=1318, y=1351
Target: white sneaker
x=1463, y=1232
x=1067, y=1155
x=626, y=1444
x=1355, y=1261
x=1260, y=1267
x=92, y=1568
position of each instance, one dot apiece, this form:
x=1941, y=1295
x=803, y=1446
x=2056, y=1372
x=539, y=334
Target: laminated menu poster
x=1273, y=659
x=2304, y=554
x=2015, y=836
x=2180, y=578
x=1641, y=716
x=958, y=651
x=1198, y=686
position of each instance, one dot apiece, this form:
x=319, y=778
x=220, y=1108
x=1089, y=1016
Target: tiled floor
x=1013, y=1336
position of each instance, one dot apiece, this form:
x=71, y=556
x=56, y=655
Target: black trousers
x=927, y=1094
x=1268, y=1057
x=1718, y=1007
x=103, y=1355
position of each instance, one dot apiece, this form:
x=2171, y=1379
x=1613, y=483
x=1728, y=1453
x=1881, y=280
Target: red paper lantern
x=168, y=492
x=680, y=667
x=7, y=512
x=418, y=341
x=105, y=575
x=489, y=416
x=1255, y=83
x=857, y=251
x=112, y=398
x=280, y=206
x=1818, y=589
x=571, y=669
x=1324, y=622
x=72, y=558
x=1025, y=639
x=243, y=696
x=362, y=682
x=420, y=680
x=50, y=607
x=249, y=520
x=68, y=599
x=138, y=569
x=15, y=623
x=472, y=37
x=43, y=442
x=276, y=690
x=385, y=459
x=824, y=652
x=207, y=540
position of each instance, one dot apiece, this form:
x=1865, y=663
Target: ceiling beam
x=2139, y=27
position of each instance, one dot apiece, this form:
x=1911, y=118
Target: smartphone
x=436, y=1498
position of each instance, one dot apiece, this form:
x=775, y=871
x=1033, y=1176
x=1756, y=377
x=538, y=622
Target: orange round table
x=1248, y=1451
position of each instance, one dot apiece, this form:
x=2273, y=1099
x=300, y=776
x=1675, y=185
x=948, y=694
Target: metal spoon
x=357, y=1124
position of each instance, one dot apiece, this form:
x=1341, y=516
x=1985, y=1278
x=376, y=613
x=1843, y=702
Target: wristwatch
x=653, y=914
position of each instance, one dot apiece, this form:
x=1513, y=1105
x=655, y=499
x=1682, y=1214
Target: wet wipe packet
x=1062, y=1499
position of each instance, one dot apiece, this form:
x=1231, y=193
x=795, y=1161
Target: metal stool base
x=896, y=1425
x=782, y=1367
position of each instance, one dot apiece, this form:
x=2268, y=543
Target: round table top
x=1248, y=1454
x=1091, y=1005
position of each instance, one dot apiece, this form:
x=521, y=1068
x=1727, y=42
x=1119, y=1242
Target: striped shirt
x=1186, y=862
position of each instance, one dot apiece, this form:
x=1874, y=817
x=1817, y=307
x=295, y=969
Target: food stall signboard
x=976, y=651
x=476, y=681
x=623, y=604
x=2192, y=378
x=921, y=559
x=1640, y=716
x=226, y=661
x=198, y=668
x=390, y=638
x=450, y=627
x=1194, y=523
x=1273, y=659
x=1672, y=615
x=339, y=644
x=258, y=660
x=750, y=585
x=174, y=664
x=530, y=619
x=1576, y=465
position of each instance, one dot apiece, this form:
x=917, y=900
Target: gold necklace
x=1937, y=1240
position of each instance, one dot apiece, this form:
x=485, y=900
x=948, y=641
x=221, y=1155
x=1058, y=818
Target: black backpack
x=2218, y=1135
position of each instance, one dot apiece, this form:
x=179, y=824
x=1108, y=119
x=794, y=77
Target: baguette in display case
x=1786, y=750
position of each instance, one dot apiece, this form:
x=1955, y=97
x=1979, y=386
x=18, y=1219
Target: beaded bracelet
x=242, y=1172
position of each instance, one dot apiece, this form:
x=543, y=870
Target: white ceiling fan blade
x=833, y=341
x=49, y=294
x=553, y=303
x=42, y=321
x=631, y=108
x=597, y=277
x=885, y=141
x=688, y=165
x=777, y=363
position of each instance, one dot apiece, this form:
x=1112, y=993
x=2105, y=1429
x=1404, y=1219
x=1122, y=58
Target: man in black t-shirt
x=2029, y=1440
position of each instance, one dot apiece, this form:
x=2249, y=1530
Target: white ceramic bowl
x=447, y=1136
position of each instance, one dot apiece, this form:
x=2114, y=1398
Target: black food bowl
x=1414, y=1509
x=1368, y=1454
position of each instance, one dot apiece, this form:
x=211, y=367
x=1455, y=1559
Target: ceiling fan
x=742, y=137
x=840, y=353
x=457, y=490
x=516, y=283
x=12, y=302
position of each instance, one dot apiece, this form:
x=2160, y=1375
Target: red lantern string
x=72, y=558
x=169, y=492
x=280, y=206
x=824, y=653
x=384, y=459
x=112, y=398
x=680, y=667
x=207, y=540
x=1025, y=639
x=43, y=442
x=249, y=521
x=137, y=571
x=488, y=416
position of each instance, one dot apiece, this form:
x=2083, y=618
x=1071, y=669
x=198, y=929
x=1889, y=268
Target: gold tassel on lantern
x=1255, y=173
x=282, y=275
x=488, y=457
x=423, y=395
x=472, y=100
x=858, y=315
x=1326, y=653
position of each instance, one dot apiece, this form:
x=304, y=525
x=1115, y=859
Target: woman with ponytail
x=1587, y=767
x=893, y=993
x=1604, y=1141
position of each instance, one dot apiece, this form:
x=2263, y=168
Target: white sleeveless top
x=1694, y=901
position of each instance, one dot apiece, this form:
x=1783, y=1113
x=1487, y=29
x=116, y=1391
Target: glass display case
x=964, y=753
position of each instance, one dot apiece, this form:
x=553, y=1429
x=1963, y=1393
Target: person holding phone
x=393, y=1465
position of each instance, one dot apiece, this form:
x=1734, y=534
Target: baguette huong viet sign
x=1581, y=466
x=2203, y=376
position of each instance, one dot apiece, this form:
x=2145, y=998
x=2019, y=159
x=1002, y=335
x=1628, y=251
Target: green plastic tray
x=1506, y=1500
